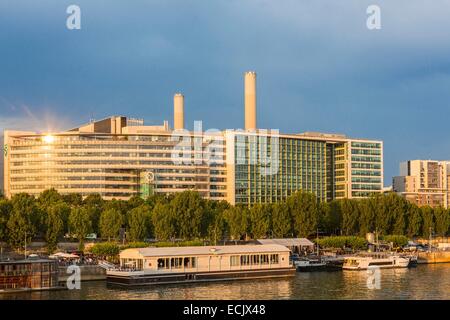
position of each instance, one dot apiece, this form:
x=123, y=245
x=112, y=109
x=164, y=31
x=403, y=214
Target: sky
x=319, y=68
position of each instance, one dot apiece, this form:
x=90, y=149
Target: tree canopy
x=189, y=217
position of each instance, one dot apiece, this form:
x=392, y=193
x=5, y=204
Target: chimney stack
x=178, y=111
x=250, y=100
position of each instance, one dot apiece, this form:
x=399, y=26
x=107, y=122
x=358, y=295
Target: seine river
x=422, y=282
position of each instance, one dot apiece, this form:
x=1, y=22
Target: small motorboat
x=333, y=263
x=307, y=265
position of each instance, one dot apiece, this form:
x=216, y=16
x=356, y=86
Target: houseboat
x=148, y=266
x=380, y=260
x=28, y=275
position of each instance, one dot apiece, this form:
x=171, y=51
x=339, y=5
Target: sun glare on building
x=48, y=138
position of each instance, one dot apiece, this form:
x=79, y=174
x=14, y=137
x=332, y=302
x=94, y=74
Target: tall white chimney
x=250, y=100
x=178, y=111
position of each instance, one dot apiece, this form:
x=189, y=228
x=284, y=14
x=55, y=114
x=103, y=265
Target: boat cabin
x=205, y=258
x=28, y=274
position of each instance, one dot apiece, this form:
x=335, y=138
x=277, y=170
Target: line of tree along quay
x=186, y=215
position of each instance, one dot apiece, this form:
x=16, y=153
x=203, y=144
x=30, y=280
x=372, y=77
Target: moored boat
x=380, y=260
x=306, y=265
x=28, y=275
x=149, y=266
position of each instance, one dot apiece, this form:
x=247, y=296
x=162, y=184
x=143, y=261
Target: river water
x=422, y=282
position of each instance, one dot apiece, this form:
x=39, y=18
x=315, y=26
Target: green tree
x=94, y=205
x=397, y=240
x=353, y=242
x=153, y=199
x=305, y=211
x=365, y=211
x=414, y=221
x=80, y=224
x=383, y=206
x=442, y=220
x=54, y=223
x=281, y=220
x=428, y=220
x=188, y=208
x=23, y=221
x=139, y=222
x=164, y=222
x=5, y=211
x=48, y=198
x=398, y=215
x=73, y=199
x=119, y=205
x=134, y=202
x=350, y=216
x=214, y=226
x=110, y=223
x=331, y=217
x=108, y=250
x=237, y=221
x=259, y=216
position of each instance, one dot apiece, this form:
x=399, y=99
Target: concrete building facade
x=424, y=182
x=119, y=157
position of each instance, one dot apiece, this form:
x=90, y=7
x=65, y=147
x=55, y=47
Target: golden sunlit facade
x=119, y=157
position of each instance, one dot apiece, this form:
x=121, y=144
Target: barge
x=28, y=275
x=174, y=265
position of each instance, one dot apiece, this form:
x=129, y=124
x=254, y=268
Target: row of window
x=253, y=259
x=184, y=154
x=177, y=263
x=372, y=145
x=373, y=152
x=366, y=159
x=187, y=162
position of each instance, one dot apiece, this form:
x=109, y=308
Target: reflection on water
x=423, y=282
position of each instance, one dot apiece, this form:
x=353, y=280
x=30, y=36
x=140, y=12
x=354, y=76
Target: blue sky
x=319, y=67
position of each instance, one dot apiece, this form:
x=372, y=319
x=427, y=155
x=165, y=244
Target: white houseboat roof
x=288, y=242
x=204, y=250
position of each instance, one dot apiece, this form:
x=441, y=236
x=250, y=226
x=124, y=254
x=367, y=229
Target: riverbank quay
x=433, y=257
x=87, y=273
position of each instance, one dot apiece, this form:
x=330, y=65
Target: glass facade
x=366, y=160
x=296, y=164
x=242, y=167
x=114, y=166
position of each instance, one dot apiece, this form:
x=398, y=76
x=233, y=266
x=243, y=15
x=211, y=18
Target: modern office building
x=424, y=182
x=119, y=157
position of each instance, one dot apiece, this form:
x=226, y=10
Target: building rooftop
x=289, y=242
x=207, y=250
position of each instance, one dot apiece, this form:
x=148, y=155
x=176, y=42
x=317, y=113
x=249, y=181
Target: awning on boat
x=63, y=255
x=288, y=242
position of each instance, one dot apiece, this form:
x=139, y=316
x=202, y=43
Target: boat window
x=234, y=261
x=176, y=263
x=274, y=258
x=264, y=259
x=164, y=263
x=190, y=262
x=255, y=259
x=380, y=263
x=245, y=260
